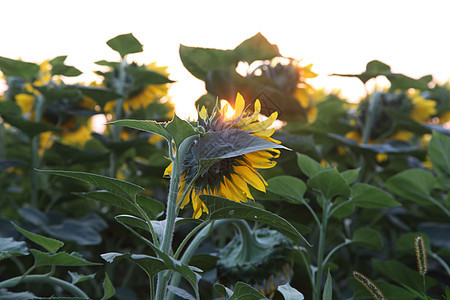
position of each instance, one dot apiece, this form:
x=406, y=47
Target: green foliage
x=51, y=245
x=125, y=44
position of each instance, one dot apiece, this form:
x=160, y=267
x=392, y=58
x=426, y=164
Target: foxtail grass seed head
x=369, y=285
x=421, y=255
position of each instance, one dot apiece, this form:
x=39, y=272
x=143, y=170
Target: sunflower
x=229, y=177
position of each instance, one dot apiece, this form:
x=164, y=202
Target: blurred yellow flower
x=423, y=108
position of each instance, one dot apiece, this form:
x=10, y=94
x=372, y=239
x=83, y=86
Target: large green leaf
x=51, y=245
x=100, y=95
x=330, y=183
x=125, y=44
x=30, y=128
x=151, y=265
x=221, y=208
x=289, y=187
x=59, y=259
x=148, y=126
x=289, y=293
x=108, y=288
x=132, y=221
x=143, y=77
x=350, y=176
x=245, y=291
x=412, y=184
x=9, y=248
x=365, y=195
x=398, y=272
x=199, y=61
x=179, y=130
x=12, y=67
x=256, y=48
x=151, y=206
x=368, y=237
x=308, y=166
x=59, y=68
x=118, y=187
x=217, y=145
x=439, y=153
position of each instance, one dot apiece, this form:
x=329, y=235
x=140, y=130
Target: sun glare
x=226, y=107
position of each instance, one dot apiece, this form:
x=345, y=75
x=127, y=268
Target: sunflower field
x=276, y=190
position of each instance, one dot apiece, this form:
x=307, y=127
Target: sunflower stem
x=321, y=250
x=35, y=143
x=119, y=87
x=171, y=212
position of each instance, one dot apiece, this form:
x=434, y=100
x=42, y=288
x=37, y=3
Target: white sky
x=336, y=36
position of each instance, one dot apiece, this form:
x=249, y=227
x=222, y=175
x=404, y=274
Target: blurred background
x=335, y=36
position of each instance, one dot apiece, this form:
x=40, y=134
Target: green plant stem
x=115, y=130
x=74, y=290
x=313, y=213
x=308, y=269
x=439, y=204
x=35, y=153
x=149, y=224
x=339, y=206
x=441, y=261
x=188, y=237
x=334, y=250
x=163, y=277
x=371, y=113
x=190, y=250
x=321, y=250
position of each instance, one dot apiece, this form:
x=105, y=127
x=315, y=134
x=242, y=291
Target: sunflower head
x=225, y=157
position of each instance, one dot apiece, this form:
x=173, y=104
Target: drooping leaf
x=125, y=44
x=180, y=292
x=365, y=195
x=199, y=61
x=7, y=295
x=289, y=187
x=217, y=145
x=330, y=183
x=151, y=265
x=59, y=259
x=221, y=208
x=256, y=48
x=9, y=248
x=118, y=187
x=12, y=67
x=308, y=166
x=77, y=278
x=51, y=245
x=368, y=237
x=245, y=291
x=290, y=293
x=148, y=126
x=108, y=288
x=412, y=184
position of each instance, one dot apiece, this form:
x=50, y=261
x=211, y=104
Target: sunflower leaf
x=257, y=48
x=118, y=187
x=179, y=130
x=12, y=67
x=151, y=265
x=217, y=145
x=245, y=291
x=59, y=259
x=221, y=208
x=9, y=248
x=51, y=245
x=149, y=126
x=125, y=44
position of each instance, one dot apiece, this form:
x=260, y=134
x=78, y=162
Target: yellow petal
x=168, y=171
x=261, y=125
x=259, y=162
x=241, y=184
x=238, y=194
x=251, y=176
x=202, y=113
x=239, y=105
